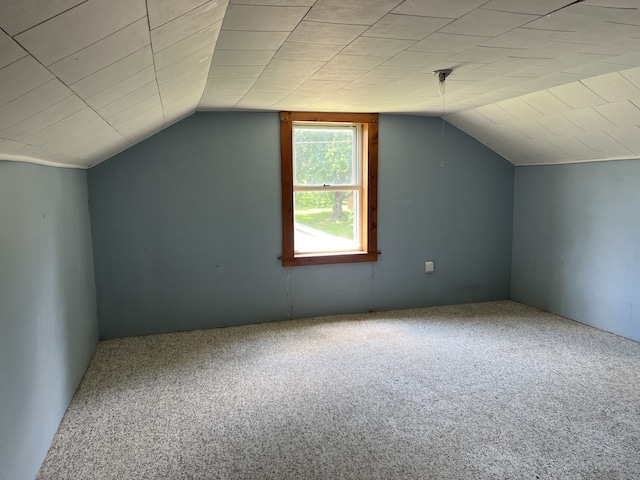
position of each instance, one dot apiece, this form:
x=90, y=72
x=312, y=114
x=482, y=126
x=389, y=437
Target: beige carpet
x=484, y=391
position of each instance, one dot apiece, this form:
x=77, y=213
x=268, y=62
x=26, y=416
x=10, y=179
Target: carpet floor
x=495, y=390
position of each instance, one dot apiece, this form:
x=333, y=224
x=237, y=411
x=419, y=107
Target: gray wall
x=48, y=325
x=187, y=231
x=576, y=242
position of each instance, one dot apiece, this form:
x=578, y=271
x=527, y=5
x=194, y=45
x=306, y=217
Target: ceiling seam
x=153, y=60
x=257, y=79
x=215, y=45
x=50, y=18
x=77, y=51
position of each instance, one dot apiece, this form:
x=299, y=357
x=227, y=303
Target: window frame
x=369, y=177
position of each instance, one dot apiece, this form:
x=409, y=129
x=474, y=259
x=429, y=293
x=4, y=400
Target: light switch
x=428, y=267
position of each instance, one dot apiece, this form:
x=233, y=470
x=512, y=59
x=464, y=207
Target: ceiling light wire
x=442, y=76
x=442, y=89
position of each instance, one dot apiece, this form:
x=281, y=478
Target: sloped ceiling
x=539, y=82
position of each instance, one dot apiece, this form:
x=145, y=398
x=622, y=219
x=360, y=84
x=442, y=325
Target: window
x=329, y=187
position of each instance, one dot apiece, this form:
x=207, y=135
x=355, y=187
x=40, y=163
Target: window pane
x=326, y=221
x=324, y=155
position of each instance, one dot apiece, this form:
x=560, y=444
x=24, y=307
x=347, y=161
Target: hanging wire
x=442, y=76
x=442, y=89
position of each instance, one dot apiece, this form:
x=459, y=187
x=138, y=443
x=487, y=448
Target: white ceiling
x=544, y=81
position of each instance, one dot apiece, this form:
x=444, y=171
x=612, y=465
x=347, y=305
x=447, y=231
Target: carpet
x=491, y=390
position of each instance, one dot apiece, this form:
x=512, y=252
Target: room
x=140, y=187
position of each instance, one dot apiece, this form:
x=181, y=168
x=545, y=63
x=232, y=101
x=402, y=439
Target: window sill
x=328, y=259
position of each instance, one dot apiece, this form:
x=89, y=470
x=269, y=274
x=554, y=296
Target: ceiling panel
x=284, y=3
x=235, y=71
x=621, y=114
x=229, y=86
x=122, y=88
x=447, y=43
x=140, y=108
x=101, y=54
x=307, y=51
x=629, y=60
x=245, y=57
x=16, y=17
x=405, y=27
x=128, y=101
x=32, y=103
x=140, y=127
x=21, y=77
x=205, y=37
x=56, y=159
x=191, y=80
x=45, y=118
x=186, y=25
x=573, y=148
x=496, y=114
x=80, y=27
x=539, y=7
x=589, y=120
x=325, y=33
x=613, y=87
x=545, y=102
x=283, y=71
x=76, y=131
x=483, y=54
x=602, y=33
x=355, y=62
x=231, y=40
x=604, y=144
x=532, y=129
x=173, y=112
x=163, y=11
x=263, y=18
x=196, y=59
x=524, y=37
x=12, y=149
x=260, y=100
x=574, y=59
x=558, y=124
x=592, y=69
x=633, y=75
x=438, y=8
x=100, y=138
x=10, y=51
x=114, y=73
x=318, y=88
x=355, y=13
x=376, y=46
x=518, y=109
x=61, y=129
x=571, y=19
x=627, y=136
x=577, y=95
x=551, y=81
x=329, y=73
x=418, y=59
x=487, y=23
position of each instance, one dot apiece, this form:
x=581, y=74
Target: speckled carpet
x=493, y=390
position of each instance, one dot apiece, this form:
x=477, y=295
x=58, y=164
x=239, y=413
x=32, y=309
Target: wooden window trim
x=369, y=122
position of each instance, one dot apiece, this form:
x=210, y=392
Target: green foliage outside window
x=324, y=156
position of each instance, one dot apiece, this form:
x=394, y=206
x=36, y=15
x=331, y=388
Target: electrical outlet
x=428, y=267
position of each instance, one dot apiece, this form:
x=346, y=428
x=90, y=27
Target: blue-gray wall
x=187, y=228
x=576, y=242
x=48, y=325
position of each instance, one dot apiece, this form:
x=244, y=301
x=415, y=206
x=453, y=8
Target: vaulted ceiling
x=539, y=82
